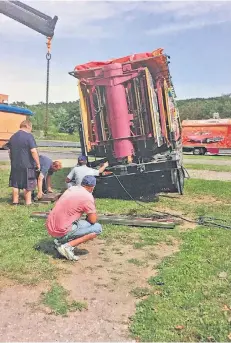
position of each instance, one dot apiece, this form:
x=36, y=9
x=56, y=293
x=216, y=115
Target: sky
x=196, y=34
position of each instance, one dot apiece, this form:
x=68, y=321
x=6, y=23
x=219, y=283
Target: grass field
x=210, y=167
x=189, y=299
x=57, y=136
x=207, y=157
x=59, y=149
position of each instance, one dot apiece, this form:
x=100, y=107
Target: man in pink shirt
x=64, y=221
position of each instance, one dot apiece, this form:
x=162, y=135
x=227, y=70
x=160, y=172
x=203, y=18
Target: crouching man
x=47, y=168
x=64, y=224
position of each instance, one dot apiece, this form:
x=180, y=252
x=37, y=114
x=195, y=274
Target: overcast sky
x=197, y=36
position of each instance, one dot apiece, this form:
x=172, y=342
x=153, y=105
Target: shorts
x=79, y=229
x=23, y=178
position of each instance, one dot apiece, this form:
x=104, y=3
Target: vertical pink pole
x=118, y=112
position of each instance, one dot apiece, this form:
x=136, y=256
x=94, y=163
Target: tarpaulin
x=14, y=109
x=126, y=59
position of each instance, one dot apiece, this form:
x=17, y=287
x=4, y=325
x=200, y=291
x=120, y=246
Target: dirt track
x=204, y=160
x=103, y=279
x=209, y=175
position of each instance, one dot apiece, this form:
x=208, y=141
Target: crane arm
x=29, y=16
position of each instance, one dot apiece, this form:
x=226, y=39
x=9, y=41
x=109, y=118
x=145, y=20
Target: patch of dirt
x=4, y=282
x=204, y=160
x=103, y=279
x=203, y=199
x=209, y=175
x=4, y=167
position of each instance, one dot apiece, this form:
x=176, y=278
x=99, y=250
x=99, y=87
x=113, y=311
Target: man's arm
x=103, y=167
x=40, y=186
x=70, y=176
x=92, y=218
x=48, y=180
x=33, y=149
x=35, y=156
x=90, y=210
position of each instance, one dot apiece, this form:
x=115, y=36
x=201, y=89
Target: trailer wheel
x=180, y=181
x=197, y=151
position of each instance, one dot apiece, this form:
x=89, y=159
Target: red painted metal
x=112, y=76
x=119, y=117
x=211, y=134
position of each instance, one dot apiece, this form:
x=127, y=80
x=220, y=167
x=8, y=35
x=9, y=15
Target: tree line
x=64, y=117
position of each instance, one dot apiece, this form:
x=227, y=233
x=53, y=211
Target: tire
x=178, y=177
x=180, y=181
x=196, y=151
x=199, y=151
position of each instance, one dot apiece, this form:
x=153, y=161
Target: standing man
x=64, y=224
x=75, y=177
x=47, y=168
x=24, y=161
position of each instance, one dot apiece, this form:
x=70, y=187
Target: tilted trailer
x=129, y=117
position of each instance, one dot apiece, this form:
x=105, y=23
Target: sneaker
x=57, y=243
x=67, y=251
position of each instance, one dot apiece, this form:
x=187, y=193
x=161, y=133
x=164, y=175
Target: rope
x=202, y=220
x=48, y=58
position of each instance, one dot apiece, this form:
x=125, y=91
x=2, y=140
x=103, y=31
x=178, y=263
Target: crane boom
x=29, y=17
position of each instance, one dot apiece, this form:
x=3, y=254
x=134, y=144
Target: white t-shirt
x=78, y=173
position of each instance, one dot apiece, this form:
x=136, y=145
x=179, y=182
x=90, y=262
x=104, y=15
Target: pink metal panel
x=118, y=113
x=112, y=78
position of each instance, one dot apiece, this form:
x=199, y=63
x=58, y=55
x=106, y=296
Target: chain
x=48, y=58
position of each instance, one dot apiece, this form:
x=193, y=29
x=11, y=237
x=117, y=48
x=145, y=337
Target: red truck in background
x=207, y=136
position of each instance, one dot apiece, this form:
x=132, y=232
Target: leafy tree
x=65, y=116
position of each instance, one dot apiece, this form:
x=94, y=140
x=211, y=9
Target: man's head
x=26, y=125
x=56, y=165
x=82, y=160
x=89, y=182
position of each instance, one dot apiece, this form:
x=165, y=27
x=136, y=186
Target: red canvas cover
x=126, y=59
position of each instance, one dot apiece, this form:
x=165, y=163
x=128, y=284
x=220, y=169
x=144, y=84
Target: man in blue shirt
x=24, y=160
x=47, y=168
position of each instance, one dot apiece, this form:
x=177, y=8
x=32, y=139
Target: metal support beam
x=126, y=220
x=29, y=17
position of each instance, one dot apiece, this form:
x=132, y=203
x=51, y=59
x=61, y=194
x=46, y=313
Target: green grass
x=59, y=149
x=207, y=157
x=208, y=167
x=57, y=300
x=59, y=137
x=192, y=294
x=140, y=292
x=136, y=262
x=187, y=291
x=217, y=189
